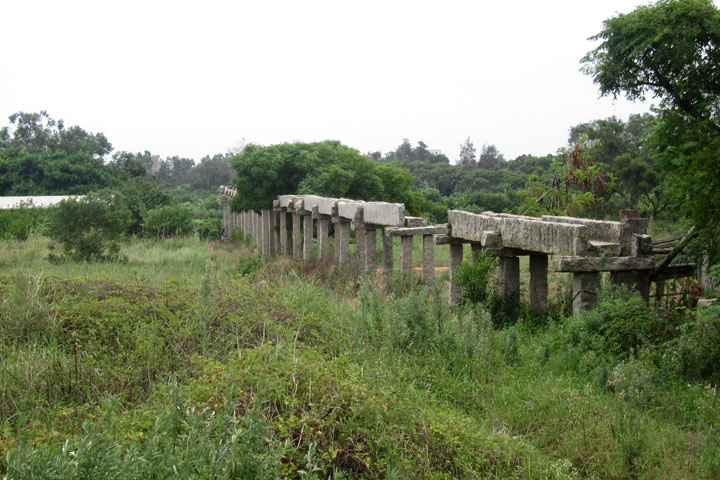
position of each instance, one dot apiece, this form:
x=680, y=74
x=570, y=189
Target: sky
x=200, y=78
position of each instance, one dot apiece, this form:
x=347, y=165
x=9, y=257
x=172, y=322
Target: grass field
x=198, y=360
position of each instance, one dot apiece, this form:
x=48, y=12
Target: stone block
x=324, y=205
x=415, y=222
x=348, y=208
x=285, y=200
x=603, y=264
x=384, y=214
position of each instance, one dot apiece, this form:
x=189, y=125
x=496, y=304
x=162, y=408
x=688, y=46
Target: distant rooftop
x=7, y=203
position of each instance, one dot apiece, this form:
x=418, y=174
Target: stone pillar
x=539, y=284
x=429, y=261
x=226, y=210
x=283, y=233
x=307, y=236
x=370, y=249
x=406, y=253
x=296, y=236
x=634, y=279
x=456, y=256
x=275, y=232
x=342, y=240
x=509, y=275
x=266, y=236
x=323, y=233
x=360, y=244
x=585, y=285
x=244, y=217
x=387, y=242
x=258, y=232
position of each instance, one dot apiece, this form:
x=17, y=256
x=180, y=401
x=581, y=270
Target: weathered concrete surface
x=429, y=261
x=286, y=200
x=508, y=275
x=283, y=233
x=456, y=256
x=307, y=236
x=348, y=208
x=600, y=230
x=325, y=205
x=585, y=286
x=387, y=246
x=441, y=229
x=384, y=214
x=406, y=253
x=538, y=288
x=342, y=241
x=527, y=233
x=297, y=236
x=603, y=264
x=371, y=249
x=323, y=233
x=415, y=222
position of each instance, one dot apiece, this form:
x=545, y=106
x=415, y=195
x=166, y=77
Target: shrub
x=18, y=223
x=141, y=195
x=476, y=278
x=88, y=228
x=168, y=221
x=695, y=353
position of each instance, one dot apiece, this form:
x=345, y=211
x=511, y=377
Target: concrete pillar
x=342, y=241
x=585, y=285
x=266, y=235
x=539, y=284
x=456, y=256
x=360, y=244
x=283, y=233
x=371, y=249
x=509, y=275
x=307, y=236
x=323, y=232
x=635, y=279
x=387, y=243
x=296, y=236
x=429, y=261
x=406, y=253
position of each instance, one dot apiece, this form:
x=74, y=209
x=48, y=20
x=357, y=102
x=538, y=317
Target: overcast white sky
x=196, y=78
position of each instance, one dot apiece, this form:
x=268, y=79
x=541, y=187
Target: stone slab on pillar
x=509, y=275
x=283, y=233
x=342, y=240
x=539, y=284
x=585, y=286
x=370, y=249
x=297, y=236
x=456, y=257
x=307, y=236
x=387, y=242
x=406, y=253
x=429, y=261
x=323, y=227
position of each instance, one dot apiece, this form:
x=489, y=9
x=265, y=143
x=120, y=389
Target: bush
x=88, y=228
x=18, y=223
x=140, y=195
x=476, y=278
x=695, y=353
x=168, y=221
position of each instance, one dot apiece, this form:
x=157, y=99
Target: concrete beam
x=600, y=230
x=603, y=264
x=526, y=233
x=441, y=229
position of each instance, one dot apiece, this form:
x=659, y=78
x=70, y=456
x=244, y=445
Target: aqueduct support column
x=323, y=233
x=266, y=237
x=456, y=257
x=360, y=238
x=509, y=275
x=387, y=242
x=585, y=286
x=296, y=235
x=371, y=248
x=429, y=261
x=406, y=252
x=257, y=231
x=283, y=232
x=342, y=240
x=539, y=284
x=307, y=234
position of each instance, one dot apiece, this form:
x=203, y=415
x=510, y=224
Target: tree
x=671, y=50
x=490, y=158
x=467, y=153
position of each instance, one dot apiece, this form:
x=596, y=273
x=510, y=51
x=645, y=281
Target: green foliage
x=695, y=353
x=140, y=196
x=476, y=277
x=88, y=228
x=671, y=50
x=40, y=156
x=169, y=221
x=19, y=223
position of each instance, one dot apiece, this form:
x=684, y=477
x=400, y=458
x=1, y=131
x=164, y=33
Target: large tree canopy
x=671, y=50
